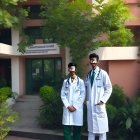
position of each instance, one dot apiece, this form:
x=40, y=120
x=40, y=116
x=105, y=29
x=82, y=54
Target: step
x=51, y=135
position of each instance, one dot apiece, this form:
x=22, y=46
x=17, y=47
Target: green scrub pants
x=76, y=132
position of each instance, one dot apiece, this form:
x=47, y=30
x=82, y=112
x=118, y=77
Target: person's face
x=93, y=62
x=72, y=70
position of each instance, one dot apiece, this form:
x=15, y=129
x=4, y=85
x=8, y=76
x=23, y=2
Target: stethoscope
x=97, y=78
x=68, y=82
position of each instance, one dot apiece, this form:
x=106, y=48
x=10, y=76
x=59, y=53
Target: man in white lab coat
x=73, y=96
x=99, y=89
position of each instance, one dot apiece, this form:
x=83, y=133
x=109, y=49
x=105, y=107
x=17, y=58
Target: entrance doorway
x=41, y=72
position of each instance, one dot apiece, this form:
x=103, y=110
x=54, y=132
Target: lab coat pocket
x=100, y=110
x=99, y=83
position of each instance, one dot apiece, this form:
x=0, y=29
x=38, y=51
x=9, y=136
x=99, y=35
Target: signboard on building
x=38, y=49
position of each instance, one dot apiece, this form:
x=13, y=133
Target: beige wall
x=117, y=53
x=125, y=74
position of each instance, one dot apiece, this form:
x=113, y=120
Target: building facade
x=42, y=62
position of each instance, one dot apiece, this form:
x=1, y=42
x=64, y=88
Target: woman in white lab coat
x=99, y=89
x=73, y=96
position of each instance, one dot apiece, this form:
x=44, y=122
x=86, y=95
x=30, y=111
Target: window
x=5, y=36
x=34, y=11
x=36, y=33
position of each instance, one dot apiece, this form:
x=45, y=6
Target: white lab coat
x=73, y=94
x=101, y=90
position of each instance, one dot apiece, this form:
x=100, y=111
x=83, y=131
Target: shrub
x=6, y=114
x=46, y=92
x=123, y=115
x=5, y=93
x=51, y=110
x=118, y=97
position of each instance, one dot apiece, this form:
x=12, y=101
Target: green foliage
x=120, y=37
x=59, y=78
x=128, y=123
x=3, y=82
x=6, y=114
x=11, y=14
x=123, y=115
x=118, y=97
x=5, y=93
x=46, y=92
x=111, y=110
x=75, y=24
x=24, y=43
x=51, y=110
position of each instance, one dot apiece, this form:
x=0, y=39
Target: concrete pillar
x=15, y=74
x=15, y=40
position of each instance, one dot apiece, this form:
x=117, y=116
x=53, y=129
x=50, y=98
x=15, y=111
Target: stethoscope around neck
x=68, y=82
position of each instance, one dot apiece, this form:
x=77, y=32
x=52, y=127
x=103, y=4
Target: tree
x=11, y=14
x=77, y=24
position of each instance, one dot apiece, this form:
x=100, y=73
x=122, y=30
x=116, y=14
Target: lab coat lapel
x=94, y=89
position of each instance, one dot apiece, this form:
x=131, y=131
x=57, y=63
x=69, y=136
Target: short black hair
x=94, y=55
x=71, y=64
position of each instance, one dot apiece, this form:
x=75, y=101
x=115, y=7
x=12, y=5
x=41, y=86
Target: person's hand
x=100, y=103
x=71, y=108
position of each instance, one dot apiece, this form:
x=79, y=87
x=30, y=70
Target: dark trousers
x=76, y=132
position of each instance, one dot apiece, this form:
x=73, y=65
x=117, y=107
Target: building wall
x=135, y=10
x=121, y=63
x=126, y=74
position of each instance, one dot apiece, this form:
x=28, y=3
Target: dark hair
x=71, y=64
x=94, y=55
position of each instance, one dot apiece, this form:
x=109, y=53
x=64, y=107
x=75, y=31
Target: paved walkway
x=27, y=126
x=28, y=109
